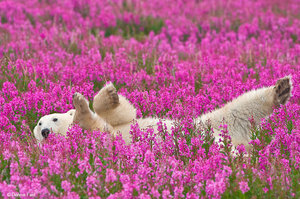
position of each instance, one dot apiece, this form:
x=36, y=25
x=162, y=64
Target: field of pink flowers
x=172, y=59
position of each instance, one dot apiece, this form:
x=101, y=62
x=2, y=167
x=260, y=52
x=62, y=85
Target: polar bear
x=115, y=114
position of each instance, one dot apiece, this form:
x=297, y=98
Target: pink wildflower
x=110, y=176
x=66, y=185
x=243, y=186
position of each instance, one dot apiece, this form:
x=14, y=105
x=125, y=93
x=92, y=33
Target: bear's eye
x=55, y=119
x=40, y=123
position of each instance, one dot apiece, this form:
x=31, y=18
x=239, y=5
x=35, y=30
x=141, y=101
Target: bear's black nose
x=45, y=133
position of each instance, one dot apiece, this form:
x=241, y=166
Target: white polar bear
x=115, y=114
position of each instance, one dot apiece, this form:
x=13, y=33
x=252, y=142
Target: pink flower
x=241, y=149
x=33, y=171
x=243, y=186
x=216, y=188
x=110, y=176
x=66, y=185
x=155, y=192
x=178, y=192
x=166, y=194
x=91, y=181
x=146, y=196
x=255, y=142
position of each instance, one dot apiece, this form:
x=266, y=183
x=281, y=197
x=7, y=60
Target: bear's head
x=54, y=123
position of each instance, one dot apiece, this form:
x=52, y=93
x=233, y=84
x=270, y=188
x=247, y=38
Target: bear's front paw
x=80, y=103
x=283, y=89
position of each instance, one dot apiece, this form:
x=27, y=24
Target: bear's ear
x=71, y=112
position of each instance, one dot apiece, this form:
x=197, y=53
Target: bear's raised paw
x=106, y=99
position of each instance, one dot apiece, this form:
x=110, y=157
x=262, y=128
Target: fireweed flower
x=170, y=61
x=110, y=176
x=66, y=185
x=243, y=186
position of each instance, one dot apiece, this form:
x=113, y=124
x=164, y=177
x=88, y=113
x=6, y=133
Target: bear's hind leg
x=282, y=89
x=106, y=99
x=113, y=108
